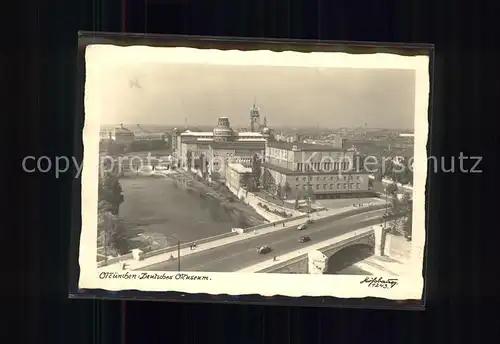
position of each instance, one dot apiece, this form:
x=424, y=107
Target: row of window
x=322, y=166
x=337, y=186
x=306, y=178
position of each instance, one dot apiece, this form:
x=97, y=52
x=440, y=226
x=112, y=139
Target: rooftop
x=240, y=168
x=305, y=147
x=197, y=133
x=210, y=133
x=252, y=139
x=254, y=144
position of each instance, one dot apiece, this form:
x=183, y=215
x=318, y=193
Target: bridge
x=236, y=250
x=320, y=257
x=239, y=251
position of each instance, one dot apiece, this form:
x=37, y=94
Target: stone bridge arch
x=349, y=252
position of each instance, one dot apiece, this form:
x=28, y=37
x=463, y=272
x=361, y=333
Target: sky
x=167, y=94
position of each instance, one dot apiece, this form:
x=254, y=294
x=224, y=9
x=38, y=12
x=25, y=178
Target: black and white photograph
x=254, y=172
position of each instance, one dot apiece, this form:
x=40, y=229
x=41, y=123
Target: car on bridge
x=263, y=249
x=302, y=226
x=303, y=239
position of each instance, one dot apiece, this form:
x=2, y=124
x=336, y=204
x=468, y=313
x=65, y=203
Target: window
x=317, y=186
x=325, y=186
x=297, y=186
x=358, y=186
x=331, y=186
x=317, y=178
x=297, y=178
x=345, y=185
x=304, y=179
x=338, y=186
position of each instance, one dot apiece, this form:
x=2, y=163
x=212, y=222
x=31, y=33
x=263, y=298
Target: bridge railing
x=348, y=238
x=245, y=230
x=338, y=216
x=283, y=264
x=341, y=240
x=170, y=248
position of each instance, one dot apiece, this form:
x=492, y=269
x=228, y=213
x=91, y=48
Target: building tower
x=223, y=131
x=254, y=119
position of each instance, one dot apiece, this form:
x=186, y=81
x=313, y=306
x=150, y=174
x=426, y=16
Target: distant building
x=122, y=135
x=288, y=138
x=151, y=137
x=300, y=169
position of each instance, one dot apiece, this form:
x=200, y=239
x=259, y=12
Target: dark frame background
x=245, y=44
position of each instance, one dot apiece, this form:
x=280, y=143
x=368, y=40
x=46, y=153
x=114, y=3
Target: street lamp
x=178, y=251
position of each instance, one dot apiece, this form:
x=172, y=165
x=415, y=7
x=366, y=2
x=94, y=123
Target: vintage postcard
x=254, y=172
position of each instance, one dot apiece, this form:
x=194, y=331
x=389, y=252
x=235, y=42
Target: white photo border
x=99, y=56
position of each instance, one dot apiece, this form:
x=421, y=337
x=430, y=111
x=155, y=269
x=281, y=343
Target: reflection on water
x=342, y=261
x=158, y=206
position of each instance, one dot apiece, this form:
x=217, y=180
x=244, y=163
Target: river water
x=157, y=205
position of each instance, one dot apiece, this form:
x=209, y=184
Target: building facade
x=300, y=170
x=237, y=176
x=221, y=146
x=122, y=135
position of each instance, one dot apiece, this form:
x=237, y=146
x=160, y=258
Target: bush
x=112, y=233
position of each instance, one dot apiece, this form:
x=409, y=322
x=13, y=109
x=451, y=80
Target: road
x=235, y=256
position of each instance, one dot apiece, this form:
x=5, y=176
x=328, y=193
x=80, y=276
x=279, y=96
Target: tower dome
x=254, y=118
x=223, y=131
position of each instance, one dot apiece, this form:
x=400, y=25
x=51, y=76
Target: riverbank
x=243, y=214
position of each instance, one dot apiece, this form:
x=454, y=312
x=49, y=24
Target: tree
x=403, y=225
x=286, y=189
x=112, y=233
x=310, y=196
x=256, y=170
x=391, y=189
x=298, y=197
x=279, y=191
x=268, y=181
x=407, y=227
x=110, y=192
x=189, y=159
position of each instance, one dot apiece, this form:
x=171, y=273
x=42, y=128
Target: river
x=157, y=205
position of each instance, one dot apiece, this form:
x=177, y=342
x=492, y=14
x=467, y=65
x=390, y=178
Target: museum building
x=298, y=170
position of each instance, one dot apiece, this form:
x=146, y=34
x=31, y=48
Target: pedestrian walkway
x=132, y=264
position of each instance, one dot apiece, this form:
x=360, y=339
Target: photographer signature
x=379, y=282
